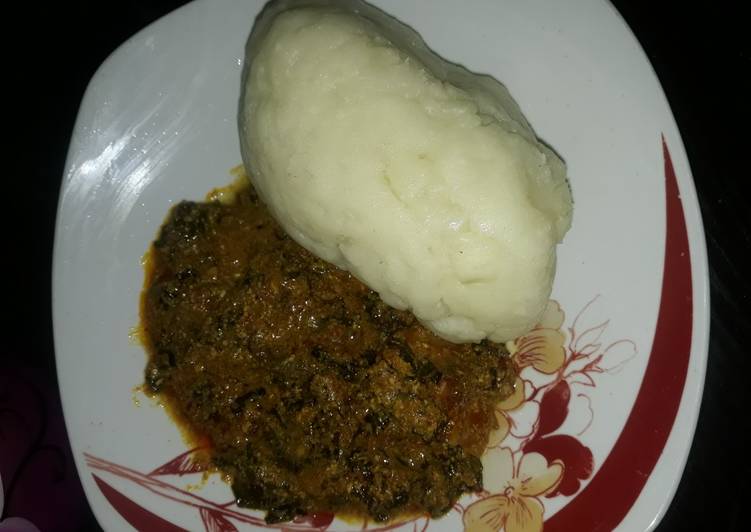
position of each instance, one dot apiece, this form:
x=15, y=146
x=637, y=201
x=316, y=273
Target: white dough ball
x=419, y=177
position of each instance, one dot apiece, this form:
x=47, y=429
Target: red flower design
x=183, y=464
x=215, y=521
x=561, y=447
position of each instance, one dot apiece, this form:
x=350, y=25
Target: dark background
x=701, y=53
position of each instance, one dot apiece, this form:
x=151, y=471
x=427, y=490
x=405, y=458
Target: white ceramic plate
x=605, y=437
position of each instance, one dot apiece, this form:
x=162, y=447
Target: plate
x=613, y=375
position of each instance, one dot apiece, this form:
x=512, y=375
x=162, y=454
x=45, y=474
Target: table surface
x=700, y=52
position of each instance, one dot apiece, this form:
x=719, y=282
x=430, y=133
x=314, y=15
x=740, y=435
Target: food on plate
x=314, y=394
x=335, y=329
x=419, y=177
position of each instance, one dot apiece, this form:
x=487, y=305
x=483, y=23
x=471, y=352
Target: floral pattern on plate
x=529, y=457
